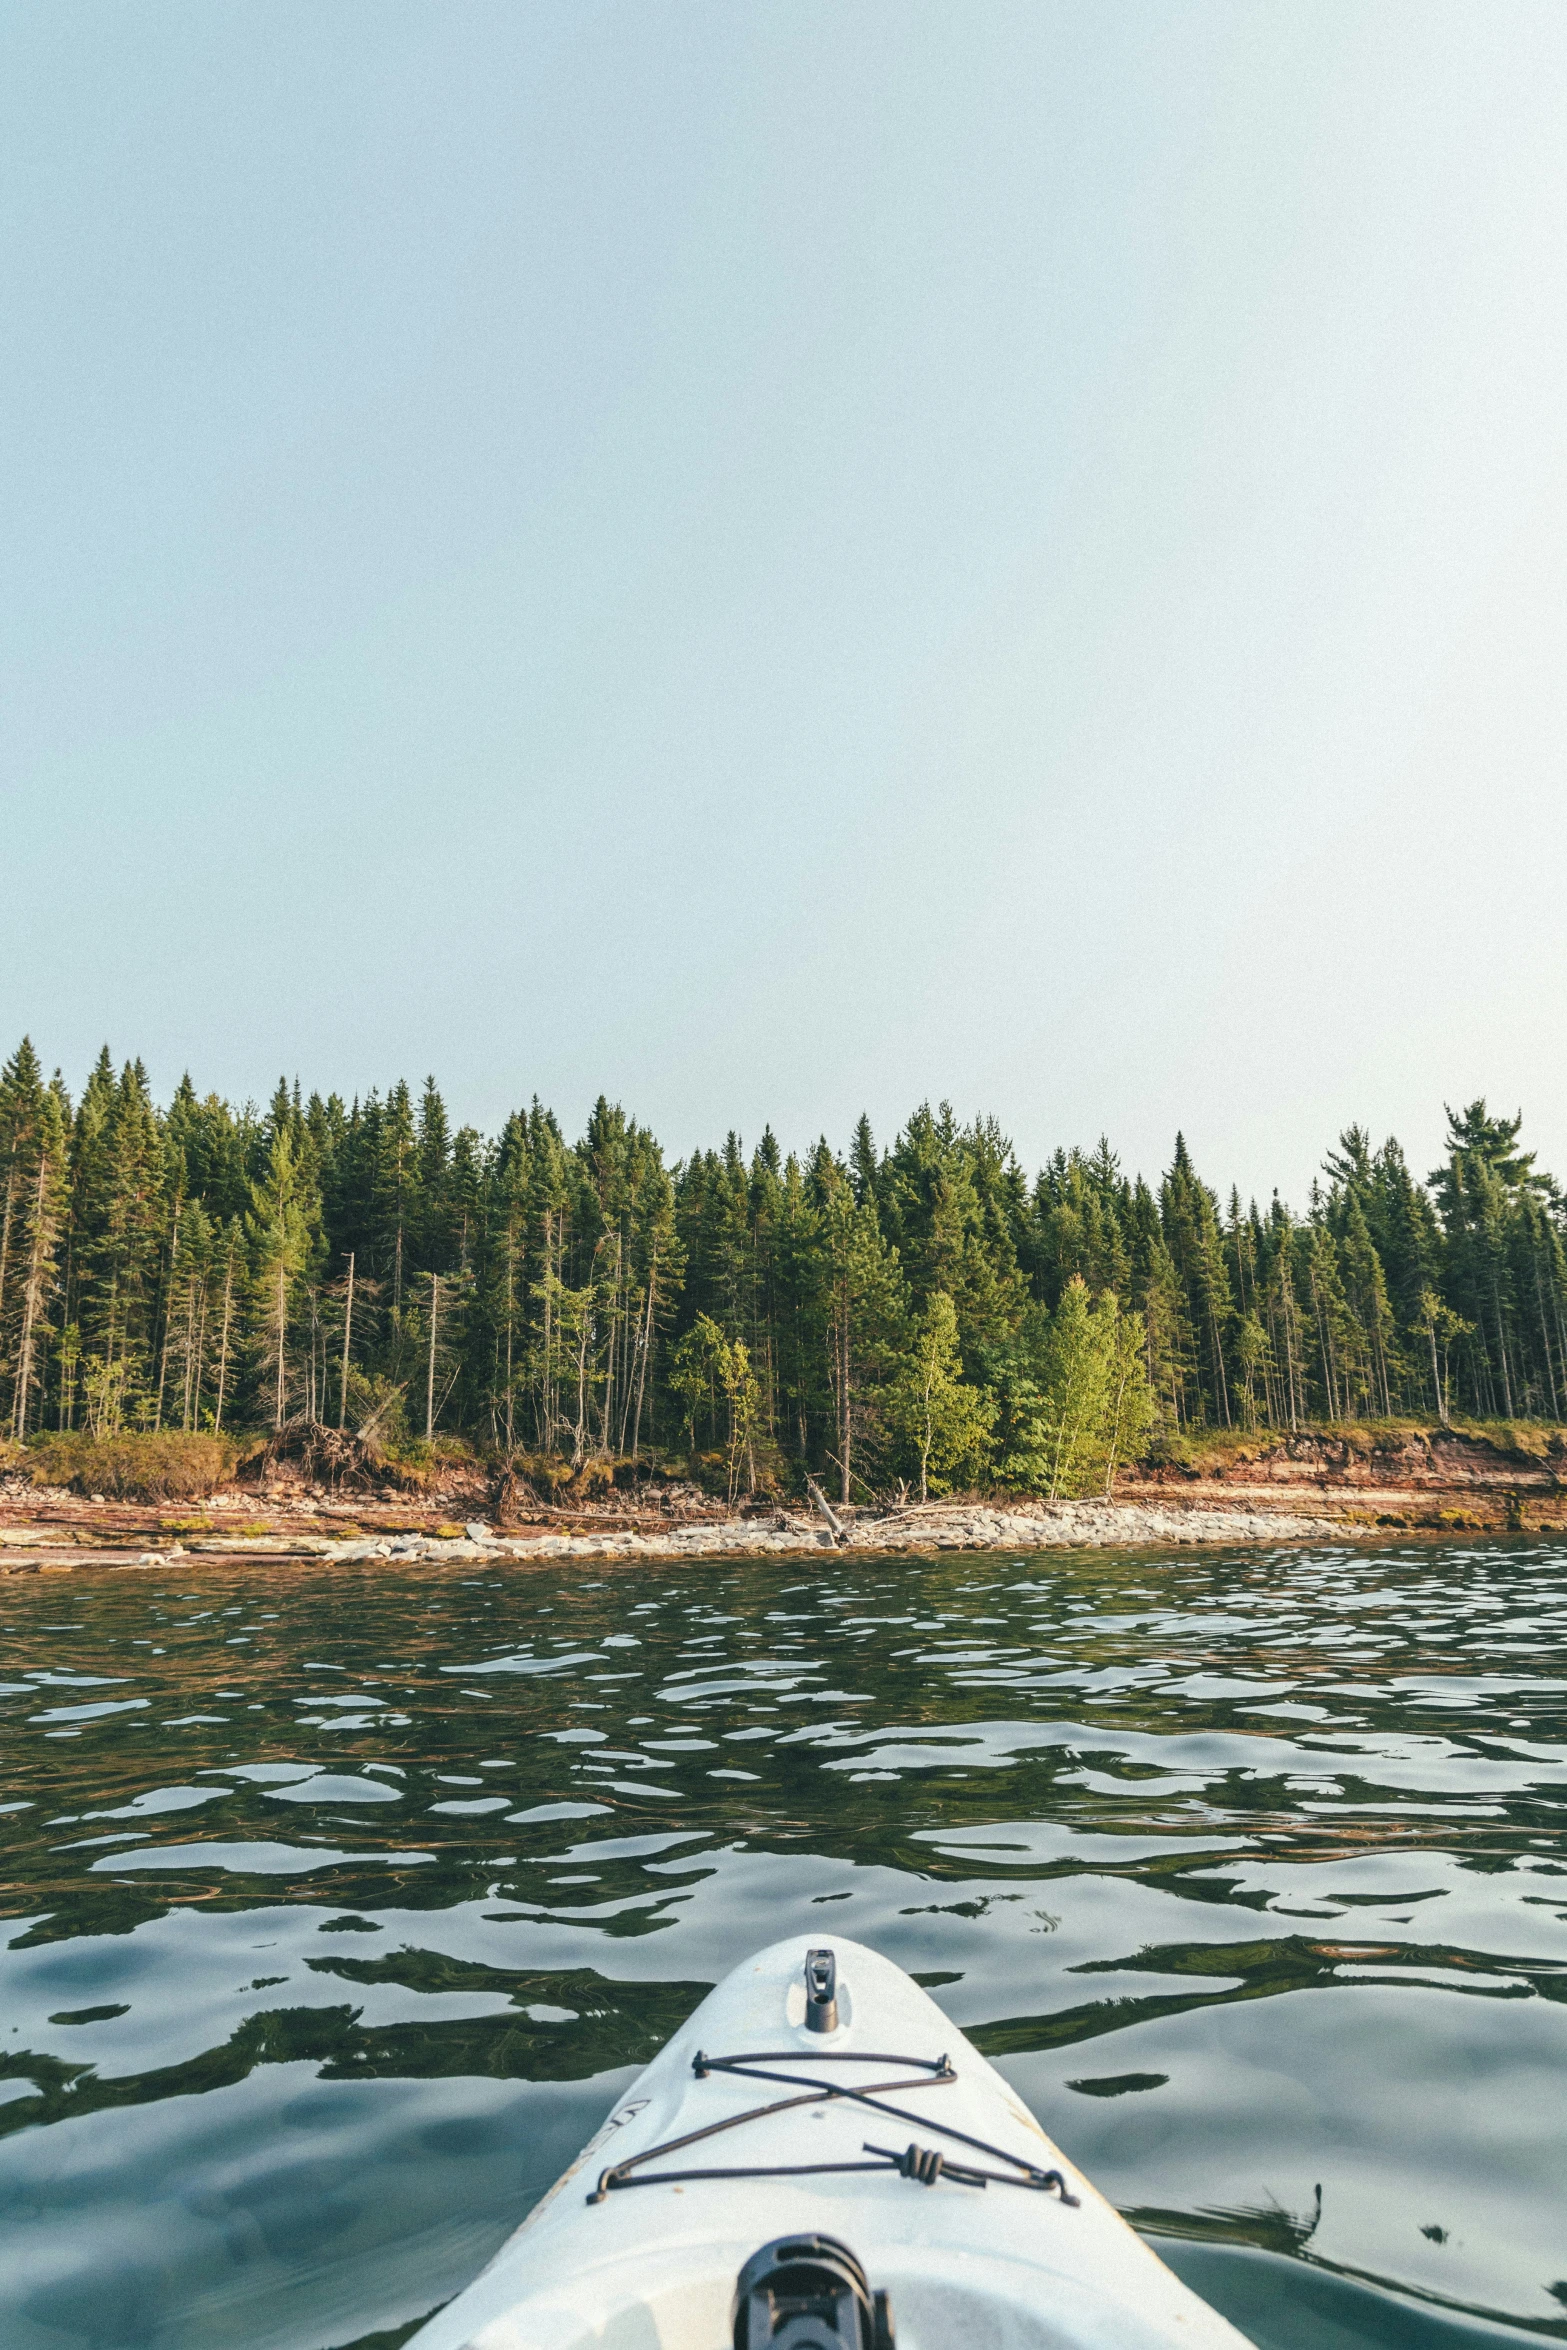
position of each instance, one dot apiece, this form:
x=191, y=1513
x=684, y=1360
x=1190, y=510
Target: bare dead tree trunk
x=611, y=1367
x=429, y=1380
x=5, y=1234
x=546, y=1396
x=32, y=1295
x=1501, y=1342
x=1545, y=1334
x=845, y=1401
x=348, y=1331
x=826, y=1508
x=1436, y=1376
x=580, y=1432
x=168, y=1318
x=647, y=1350
x=511, y=1300
x=223, y=1344
x=282, y=1334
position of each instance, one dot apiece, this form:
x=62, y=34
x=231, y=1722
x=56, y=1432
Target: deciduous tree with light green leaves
x=1095, y=1403
x=945, y=1422
x=708, y=1365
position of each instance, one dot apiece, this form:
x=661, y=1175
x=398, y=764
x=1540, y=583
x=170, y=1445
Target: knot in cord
x=923, y=2163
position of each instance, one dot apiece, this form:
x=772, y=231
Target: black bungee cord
x=925, y=2164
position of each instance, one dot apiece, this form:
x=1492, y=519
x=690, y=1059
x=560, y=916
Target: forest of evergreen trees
x=921, y=1315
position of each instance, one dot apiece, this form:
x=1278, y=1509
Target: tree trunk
x=168, y=1319
x=223, y=1343
x=32, y=1297
x=5, y=1234
x=429, y=1377
x=579, y=1433
x=348, y=1332
x=647, y=1350
x=1501, y=1344
x=281, y=1395
x=1545, y=1335
x=511, y=1301
x=1436, y=1376
x=845, y=1401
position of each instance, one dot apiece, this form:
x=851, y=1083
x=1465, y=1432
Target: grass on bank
x=172, y=1467
x=131, y=1467
x=1210, y=1451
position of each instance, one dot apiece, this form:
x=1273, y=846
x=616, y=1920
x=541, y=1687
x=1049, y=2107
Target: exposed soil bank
x=1325, y=1485
x=1439, y=1479
x=1445, y=1459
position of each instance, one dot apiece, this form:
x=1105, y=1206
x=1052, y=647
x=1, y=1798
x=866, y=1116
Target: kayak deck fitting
x=1015, y=2250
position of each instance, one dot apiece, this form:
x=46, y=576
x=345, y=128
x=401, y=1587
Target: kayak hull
x=652, y=2265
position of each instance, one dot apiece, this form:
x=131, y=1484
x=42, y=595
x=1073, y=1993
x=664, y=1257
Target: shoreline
x=924, y=1527
x=1380, y=1483
x=932, y=1526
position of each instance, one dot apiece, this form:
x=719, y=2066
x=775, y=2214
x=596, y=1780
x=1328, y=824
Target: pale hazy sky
x=775, y=560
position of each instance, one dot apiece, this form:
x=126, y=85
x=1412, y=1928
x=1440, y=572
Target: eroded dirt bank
x=1439, y=1479
x=1307, y=1487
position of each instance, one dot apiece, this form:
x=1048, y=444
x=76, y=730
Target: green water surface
x=340, y=1905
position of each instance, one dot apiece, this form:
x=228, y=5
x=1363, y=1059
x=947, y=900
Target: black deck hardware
x=808, y=2293
x=930, y=2072
x=821, y=1991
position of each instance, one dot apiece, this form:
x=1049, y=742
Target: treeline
x=922, y=1314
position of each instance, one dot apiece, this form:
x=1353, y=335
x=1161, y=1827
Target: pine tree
x=864, y=1166
x=23, y=1109
x=1159, y=1299
x=39, y=1162
x=120, y=1253
x=188, y=1315
x=190, y=1267
x=394, y=1201
x=278, y=1230
x=1189, y=1215
x=863, y=1305
x=1284, y=1364
x=434, y=1236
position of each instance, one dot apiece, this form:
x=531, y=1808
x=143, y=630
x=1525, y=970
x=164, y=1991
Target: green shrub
x=546, y=1472
x=415, y=1463
x=134, y=1467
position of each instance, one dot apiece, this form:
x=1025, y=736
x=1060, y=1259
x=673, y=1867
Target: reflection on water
x=340, y=1907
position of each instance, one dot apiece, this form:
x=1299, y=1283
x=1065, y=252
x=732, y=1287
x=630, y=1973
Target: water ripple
x=323, y=1952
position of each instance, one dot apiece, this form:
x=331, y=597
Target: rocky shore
x=1313, y=1487
x=932, y=1526
x=927, y=1527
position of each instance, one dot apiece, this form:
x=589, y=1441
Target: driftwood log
x=840, y=1532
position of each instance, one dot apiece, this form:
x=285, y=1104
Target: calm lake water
x=341, y=1905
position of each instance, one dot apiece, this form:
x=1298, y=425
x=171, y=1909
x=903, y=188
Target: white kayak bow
x=819, y=2125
